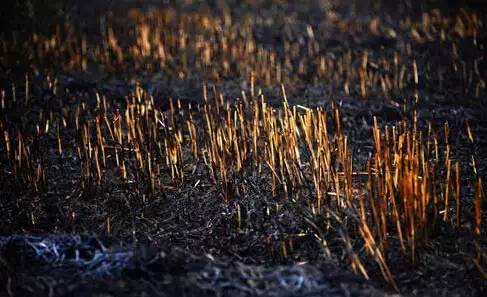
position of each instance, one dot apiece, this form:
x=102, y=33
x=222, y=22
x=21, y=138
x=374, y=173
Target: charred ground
x=112, y=183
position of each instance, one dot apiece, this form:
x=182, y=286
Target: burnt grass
x=62, y=234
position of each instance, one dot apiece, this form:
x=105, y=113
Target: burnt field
x=243, y=148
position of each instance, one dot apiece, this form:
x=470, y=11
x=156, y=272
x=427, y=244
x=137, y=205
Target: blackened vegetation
x=243, y=148
x=83, y=266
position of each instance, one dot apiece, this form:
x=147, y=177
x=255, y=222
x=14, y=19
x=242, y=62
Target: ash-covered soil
x=61, y=265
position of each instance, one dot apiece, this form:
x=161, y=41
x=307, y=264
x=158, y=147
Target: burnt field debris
x=243, y=148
